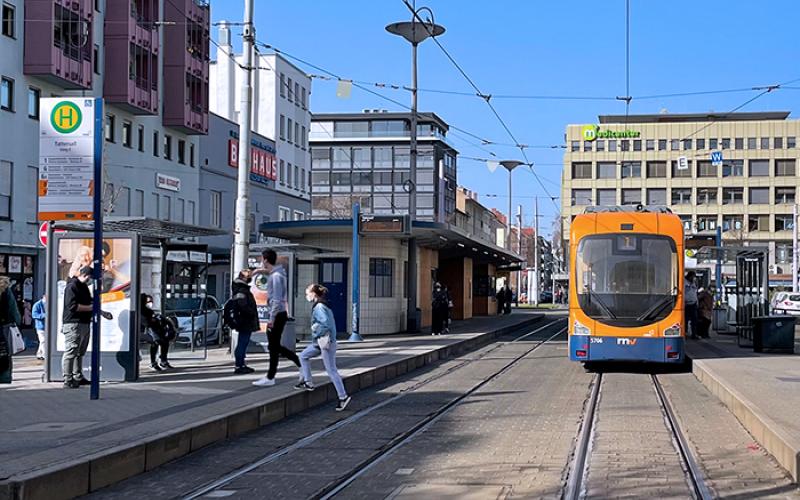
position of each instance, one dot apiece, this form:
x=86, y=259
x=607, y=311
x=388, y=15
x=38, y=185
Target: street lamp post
x=414, y=32
x=509, y=165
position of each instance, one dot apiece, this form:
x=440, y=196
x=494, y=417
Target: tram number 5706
x=595, y=340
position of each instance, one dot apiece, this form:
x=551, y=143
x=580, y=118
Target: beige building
x=666, y=159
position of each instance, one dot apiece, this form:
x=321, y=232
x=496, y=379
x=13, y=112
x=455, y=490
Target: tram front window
x=627, y=279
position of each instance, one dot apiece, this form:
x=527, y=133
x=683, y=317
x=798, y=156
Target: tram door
x=196, y=315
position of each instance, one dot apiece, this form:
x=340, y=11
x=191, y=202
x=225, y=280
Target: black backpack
x=231, y=315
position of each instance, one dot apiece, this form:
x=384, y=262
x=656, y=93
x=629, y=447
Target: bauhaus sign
x=592, y=132
x=67, y=147
x=262, y=162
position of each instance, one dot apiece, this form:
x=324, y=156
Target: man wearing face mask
x=77, y=317
x=242, y=316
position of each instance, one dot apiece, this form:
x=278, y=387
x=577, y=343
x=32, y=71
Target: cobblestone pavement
x=734, y=465
x=305, y=471
x=632, y=452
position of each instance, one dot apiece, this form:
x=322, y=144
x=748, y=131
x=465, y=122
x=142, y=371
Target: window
x=656, y=169
x=687, y=144
x=289, y=87
x=662, y=144
x=686, y=172
x=631, y=169
x=283, y=128
x=637, y=144
x=191, y=155
x=681, y=196
x=140, y=134
x=751, y=143
x=612, y=145
x=296, y=94
x=580, y=170
x=297, y=138
x=181, y=151
x=733, y=168
x=650, y=145
x=321, y=158
x=791, y=142
x=289, y=130
x=783, y=222
x=759, y=168
x=156, y=144
x=778, y=142
x=784, y=195
x=732, y=196
x=109, y=128
x=726, y=143
x=9, y=20
x=765, y=143
x=600, y=145
x=127, y=133
x=283, y=85
x=587, y=146
x=657, y=196
x=96, y=59
x=706, y=196
x=298, y=215
x=5, y=189
x=167, y=147
x=282, y=176
x=686, y=220
x=701, y=144
x=303, y=138
x=624, y=145
x=137, y=203
x=575, y=146
x=732, y=222
x=284, y=214
x=303, y=97
x=706, y=169
x=606, y=170
x=674, y=145
x=706, y=222
x=165, y=208
x=581, y=197
x=783, y=253
x=759, y=196
x=785, y=168
x=739, y=143
x=380, y=277
x=7, y=94
x=289, y=174
x=713, y=144
x=758, y=223
x=606, y=197
x=33, y=102
x=215, y=209
x=320, y=178
x=296, y=177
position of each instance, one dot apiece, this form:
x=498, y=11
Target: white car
x=198, y=320
x=786, y=303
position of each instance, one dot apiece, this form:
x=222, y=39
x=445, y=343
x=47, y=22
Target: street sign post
x=716, y=158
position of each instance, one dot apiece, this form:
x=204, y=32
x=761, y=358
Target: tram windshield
x=627, y=279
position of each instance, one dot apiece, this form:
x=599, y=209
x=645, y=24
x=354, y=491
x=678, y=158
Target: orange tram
x=626, y=285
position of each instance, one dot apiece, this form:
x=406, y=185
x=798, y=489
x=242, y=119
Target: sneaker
x=304, y=386
x=71, y=384
x=155, y=367
x=343, y=403
x=165, y=365
x=248, y=369
x=243, y=370
x=264, y=382
x=83, y=381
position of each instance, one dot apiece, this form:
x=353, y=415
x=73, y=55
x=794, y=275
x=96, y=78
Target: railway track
x=558, y=325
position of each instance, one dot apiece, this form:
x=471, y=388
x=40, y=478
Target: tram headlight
x=579, y=328
x=673, y=331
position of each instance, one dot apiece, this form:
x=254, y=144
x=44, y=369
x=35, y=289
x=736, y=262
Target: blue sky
x=569, y=47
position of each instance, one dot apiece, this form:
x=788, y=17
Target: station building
x=666, y=159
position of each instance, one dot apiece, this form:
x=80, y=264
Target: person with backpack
x=439, y=306
x=323, y=342
x=9, y=316
x=241, y=314
x=156, y=332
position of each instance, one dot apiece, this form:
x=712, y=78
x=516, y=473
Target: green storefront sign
x=592, y=132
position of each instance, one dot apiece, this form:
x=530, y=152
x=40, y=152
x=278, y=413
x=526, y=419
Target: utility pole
x=241, y=247
x=519, y=248
x=536, y=251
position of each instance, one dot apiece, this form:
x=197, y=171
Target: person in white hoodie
x=277, y=317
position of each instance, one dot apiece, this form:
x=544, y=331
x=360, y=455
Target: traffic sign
x=43, y=233
x=716, y=158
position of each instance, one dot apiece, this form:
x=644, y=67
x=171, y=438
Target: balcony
x=186, y=56
x=131, y=55
x=58, y=42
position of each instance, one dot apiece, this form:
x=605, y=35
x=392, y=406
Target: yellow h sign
x=65, y=117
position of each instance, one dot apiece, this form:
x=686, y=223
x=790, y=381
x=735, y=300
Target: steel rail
x=577, y=470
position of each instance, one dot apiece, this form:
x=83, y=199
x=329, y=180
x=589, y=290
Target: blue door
x=333, y=276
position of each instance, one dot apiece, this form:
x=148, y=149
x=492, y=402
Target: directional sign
x=716, y=158
x=66, y=158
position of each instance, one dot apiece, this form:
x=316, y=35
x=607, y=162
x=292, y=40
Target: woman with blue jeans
x=323, y=342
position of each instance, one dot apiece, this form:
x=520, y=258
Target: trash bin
x=719, y=319
x=773, y=333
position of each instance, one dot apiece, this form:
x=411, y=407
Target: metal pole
x=794, y=249
x=242, y=231
x=97, y=274
x=519, y=249
x=536, y=251
x=411, y=314
x=355, y=336
x=508, y=236
x=50, y=306
x=718, y=271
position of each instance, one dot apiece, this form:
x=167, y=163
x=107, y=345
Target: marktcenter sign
x=592, y=132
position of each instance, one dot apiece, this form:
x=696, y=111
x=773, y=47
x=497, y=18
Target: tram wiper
x=609, y=314
x=656, y=308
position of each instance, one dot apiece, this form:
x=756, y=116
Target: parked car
x=786, y=303
x=199, y=319
x=546, y=297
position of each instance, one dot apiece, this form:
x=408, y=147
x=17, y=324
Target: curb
x=783, y=448
x=95, y=471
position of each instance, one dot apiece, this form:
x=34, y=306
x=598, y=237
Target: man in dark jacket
x=439, y=305
x=245, y=318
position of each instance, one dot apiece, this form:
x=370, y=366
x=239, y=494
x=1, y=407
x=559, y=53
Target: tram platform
x=56, y=443
x=762, y=390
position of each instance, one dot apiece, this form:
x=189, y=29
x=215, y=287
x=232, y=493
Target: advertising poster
x=73, y=254
x=259, y=287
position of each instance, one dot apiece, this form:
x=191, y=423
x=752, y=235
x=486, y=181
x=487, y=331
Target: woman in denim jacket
x=323, y=342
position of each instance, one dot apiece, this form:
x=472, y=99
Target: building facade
x=218, y=188
x=364, y=157
x=281, y=103
x=122, y=51
x=748, y=186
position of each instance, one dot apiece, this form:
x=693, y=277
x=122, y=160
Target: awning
x=144, y=227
